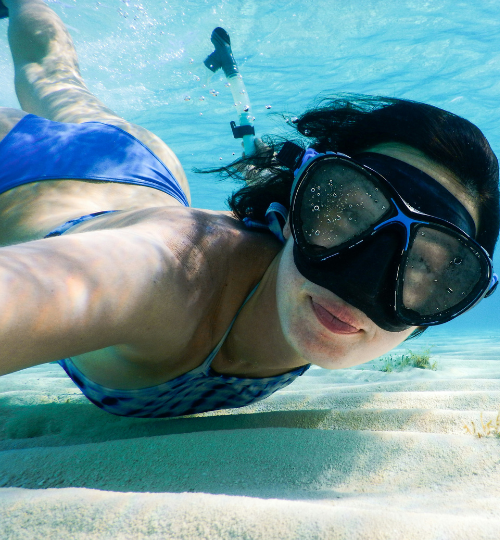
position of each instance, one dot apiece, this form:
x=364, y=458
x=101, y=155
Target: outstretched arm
x=63, y=296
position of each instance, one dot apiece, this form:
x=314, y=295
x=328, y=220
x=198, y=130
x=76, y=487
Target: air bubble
x=457, y=260
x=316, y=208
x=316, y=233
x=312, y=190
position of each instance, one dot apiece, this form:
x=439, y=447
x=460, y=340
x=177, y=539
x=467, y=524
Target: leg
x=48, y=80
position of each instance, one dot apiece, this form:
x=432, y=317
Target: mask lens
x=339, y=203
x=441, y=271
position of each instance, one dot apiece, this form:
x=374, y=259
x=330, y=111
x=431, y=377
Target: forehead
x=441, y=174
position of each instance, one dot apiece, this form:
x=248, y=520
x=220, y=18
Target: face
x=320, y=326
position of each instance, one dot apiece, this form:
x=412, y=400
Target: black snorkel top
x=222, y=57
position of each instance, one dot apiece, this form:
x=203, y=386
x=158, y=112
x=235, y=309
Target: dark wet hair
x=352, y=123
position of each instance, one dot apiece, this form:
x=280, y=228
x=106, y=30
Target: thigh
x=49, y=84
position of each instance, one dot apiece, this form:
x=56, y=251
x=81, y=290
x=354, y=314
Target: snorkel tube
x=222, y=57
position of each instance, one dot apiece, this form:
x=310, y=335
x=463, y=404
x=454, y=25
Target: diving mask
x=386, y=238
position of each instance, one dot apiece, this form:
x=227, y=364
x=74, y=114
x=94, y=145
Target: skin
x=183, y=273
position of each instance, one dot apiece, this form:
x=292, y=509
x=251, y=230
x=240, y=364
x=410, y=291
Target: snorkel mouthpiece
x=222, y=57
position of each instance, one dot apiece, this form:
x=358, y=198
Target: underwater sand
x=347, y=454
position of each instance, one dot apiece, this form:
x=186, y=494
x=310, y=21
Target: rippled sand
x=345, y=454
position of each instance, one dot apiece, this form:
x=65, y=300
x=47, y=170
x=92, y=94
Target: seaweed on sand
x=484, y=429
x=410, y=359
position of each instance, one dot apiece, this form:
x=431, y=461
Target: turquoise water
x=144, y=60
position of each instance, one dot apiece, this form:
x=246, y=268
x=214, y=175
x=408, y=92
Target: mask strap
x=275, y=224
x=493, y=285
x=276, y=216
x=309, y=154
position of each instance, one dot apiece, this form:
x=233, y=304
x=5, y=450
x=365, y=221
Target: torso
x=31, y=211
x=222, y=261
x=226, y=261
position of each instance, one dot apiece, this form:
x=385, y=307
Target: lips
x=336, y=320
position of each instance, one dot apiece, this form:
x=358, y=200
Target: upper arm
x=72, y=294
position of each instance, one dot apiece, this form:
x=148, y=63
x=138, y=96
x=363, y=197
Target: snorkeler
x=332, y=254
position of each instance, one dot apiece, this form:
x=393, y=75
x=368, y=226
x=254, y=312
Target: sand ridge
x=354, y=453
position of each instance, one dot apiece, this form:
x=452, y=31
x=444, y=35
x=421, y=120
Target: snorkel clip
x=240, y=131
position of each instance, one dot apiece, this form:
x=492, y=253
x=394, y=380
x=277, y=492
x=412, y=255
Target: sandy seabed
x=348, y=454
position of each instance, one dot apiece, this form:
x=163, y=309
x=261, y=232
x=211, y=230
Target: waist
x=30, y=211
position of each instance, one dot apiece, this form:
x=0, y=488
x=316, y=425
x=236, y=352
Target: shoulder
x=216, y=243
x=201, y=248
x=209, y=263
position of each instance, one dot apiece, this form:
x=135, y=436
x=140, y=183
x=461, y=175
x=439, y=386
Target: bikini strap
x=206, y=364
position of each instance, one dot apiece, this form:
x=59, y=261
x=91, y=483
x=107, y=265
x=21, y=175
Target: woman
x=159, y=309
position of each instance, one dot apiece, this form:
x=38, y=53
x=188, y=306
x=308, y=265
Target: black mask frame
x=315, y=263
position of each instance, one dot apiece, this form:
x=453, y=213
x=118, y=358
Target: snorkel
x=222, y=57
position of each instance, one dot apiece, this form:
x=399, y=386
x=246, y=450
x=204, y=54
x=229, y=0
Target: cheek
x=288, y=288
x=381, y=343
x=293, y=305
